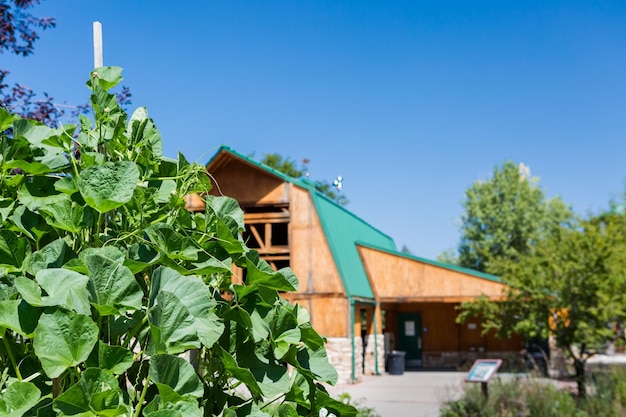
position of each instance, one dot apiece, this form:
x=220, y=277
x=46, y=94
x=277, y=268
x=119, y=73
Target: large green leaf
x=38, y=192
x=6, y=119
x=172, y=326
x=271, y=377
x=32, y=225
x=115, y=359
x=176, y=374
x=6, y=207
x=189, y=289
x=286, y=410
x=140, y=257
x=183, y=407
x=242, y=374
x=65, y=288
x=19, y=316
x=67, y=215
x=181, y=312
x=144, y=134
x=110, y=185
x=168, y=412
x=336, y=407
x=63, y=339
x=105, y=77
x=54, y=255
x=34, y=168
x=316, y=362
x=112, y=286
x=172, y=243
x=260, y=273
x=18, y=398
x=13, y=250
x=96, y=394
x=208, y=265
x=228, y=211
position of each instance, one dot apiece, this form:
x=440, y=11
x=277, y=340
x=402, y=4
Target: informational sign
x=409, y=328
x=483, y=370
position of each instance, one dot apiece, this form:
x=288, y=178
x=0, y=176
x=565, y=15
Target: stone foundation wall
x=370, y=354
x=339, y=351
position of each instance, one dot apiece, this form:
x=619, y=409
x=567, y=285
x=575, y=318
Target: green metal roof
x=342, y=230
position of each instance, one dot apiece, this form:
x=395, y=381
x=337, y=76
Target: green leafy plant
x=117, y=301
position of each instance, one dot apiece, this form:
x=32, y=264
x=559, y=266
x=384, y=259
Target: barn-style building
x=366, y=297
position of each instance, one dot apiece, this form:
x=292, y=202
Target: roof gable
x=341, y=227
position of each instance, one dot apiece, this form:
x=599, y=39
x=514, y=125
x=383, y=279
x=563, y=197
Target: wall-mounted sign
x=471, y=326
x=409, y=328
x=483, y=370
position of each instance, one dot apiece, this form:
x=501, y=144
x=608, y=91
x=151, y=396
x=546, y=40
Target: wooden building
x=364, y=295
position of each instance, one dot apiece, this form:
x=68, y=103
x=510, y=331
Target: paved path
x=412, y=394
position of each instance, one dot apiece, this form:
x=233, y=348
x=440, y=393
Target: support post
x=97, y=45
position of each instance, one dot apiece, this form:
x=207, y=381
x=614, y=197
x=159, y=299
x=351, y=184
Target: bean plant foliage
x=113, y=297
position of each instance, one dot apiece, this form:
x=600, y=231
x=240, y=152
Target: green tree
x=289, y=167
x=285, y=165
x=571, y=285
x=107, y=281
x=504, y=217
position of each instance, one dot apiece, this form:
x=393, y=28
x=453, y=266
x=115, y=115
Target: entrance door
x=410, y=338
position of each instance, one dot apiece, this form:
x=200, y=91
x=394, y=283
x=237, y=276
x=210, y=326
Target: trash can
x=396, y=362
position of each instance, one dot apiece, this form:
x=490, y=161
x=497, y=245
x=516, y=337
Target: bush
x=519, y=397
x=529, y=397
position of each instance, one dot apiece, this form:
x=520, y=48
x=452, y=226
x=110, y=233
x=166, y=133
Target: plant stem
x=12, y=357
x=136, y=329
x=142, y=397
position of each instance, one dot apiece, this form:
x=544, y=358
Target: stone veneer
x=339, y=351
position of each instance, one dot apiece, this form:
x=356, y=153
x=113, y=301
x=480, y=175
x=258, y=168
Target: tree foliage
x=107, y=283
x=291, y=168
x=569, y=285
x=19, y=30
x=504, y=218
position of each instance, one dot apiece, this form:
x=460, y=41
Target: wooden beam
x=268, y=252
x=307, y=296
x=271, y=217
x=268, y=235
x=443, y=299
x=257, y=237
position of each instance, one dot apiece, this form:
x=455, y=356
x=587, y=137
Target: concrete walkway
x=412, y=394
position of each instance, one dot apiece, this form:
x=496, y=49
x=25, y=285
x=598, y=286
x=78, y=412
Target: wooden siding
x=329, y=312
x=400, y=279
x=247, y=184
x=311, y=258
x=441, y=332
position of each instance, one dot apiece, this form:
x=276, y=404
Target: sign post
x=482, y=371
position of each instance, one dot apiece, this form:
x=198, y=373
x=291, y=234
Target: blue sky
x=409, y=101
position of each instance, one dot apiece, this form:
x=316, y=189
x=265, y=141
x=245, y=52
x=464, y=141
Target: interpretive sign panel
x=483, y=370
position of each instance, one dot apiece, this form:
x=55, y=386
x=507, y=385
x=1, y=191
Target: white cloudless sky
x=409, y=101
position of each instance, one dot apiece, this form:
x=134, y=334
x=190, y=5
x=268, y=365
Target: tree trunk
x=579, y=366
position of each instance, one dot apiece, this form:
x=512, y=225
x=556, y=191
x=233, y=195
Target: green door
x=410, y=338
